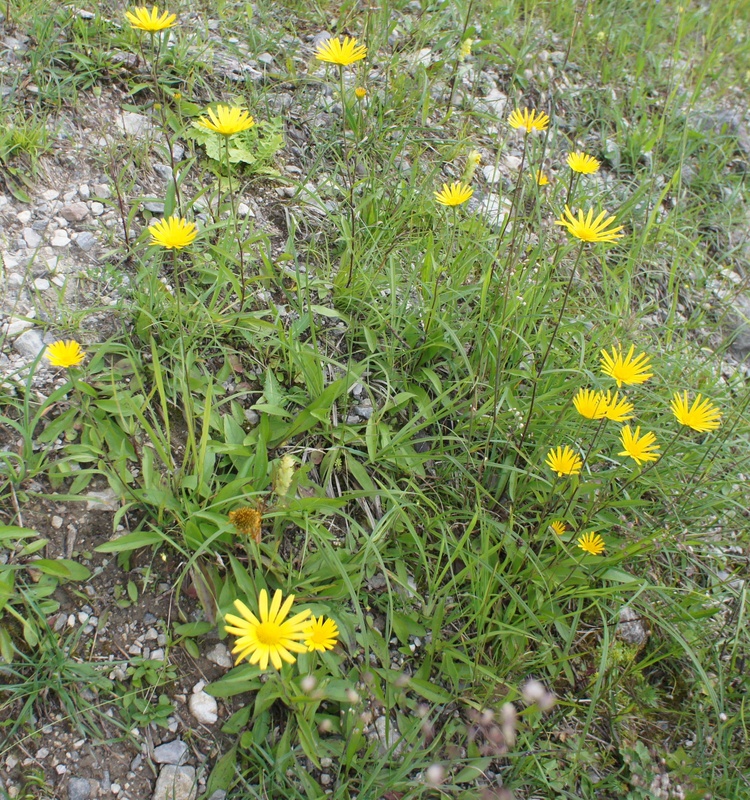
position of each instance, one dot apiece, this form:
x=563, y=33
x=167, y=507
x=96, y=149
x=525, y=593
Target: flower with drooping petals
x=226, y=120
x=564, y=461
x=558, y=527
x=585, y=164
x=322, y=634
x=454, y=195
x=528, y=120
x=65, y=354
x=541, y=178
x=627, y=370
x=334, y=51
x=588, y=229
x=702, y=416
x=269, y=636
x=639, y=448
x=591, y=543
x=151, y=22
x=173, y=233
x=590, y=404
x=618, y=409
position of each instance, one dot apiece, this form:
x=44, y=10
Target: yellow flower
x=564, y=461
x=152, y=22
x=558, y=527
x=580, y=162
x=701, y=416
x=282, y=479
x=248, y=521
x=65, y=354
x=334, y=51
x=322, y=634
x=591, y=543
x=639, y=448
x=541, y=178
x=173, y=233
x=626, y=370
x=465, y=50
x=227, y=120
x=589, y=229
x=590, y=404
x=528, y=120
x=454, y=195
x=270, y=635
x=360, y=92
x=618, y=410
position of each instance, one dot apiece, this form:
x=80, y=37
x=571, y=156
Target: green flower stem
x=237, y=236
x=549, y=346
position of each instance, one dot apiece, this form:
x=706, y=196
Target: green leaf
x=309, y=740
x=223, y=773
x=193, y=628
x=130, y=541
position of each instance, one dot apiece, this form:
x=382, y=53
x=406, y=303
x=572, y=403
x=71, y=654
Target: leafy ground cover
x=481, y=412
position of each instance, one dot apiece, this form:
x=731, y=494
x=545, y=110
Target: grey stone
x=84, y=192
x=203, y=707
x=79, y=789
x=219, y=794
x=60, y=238
x=736, y=325
x=363, y=411
x=24, y=217
x=97, y=209
x=219, y=655
x=102, y=501
x=17, y=326
x=85, y=240
x=32, y=238
x=386, y=734
x=41, y=284
x=630, y=628
x=29, y=344
x=154, y=207
x=174, y=752
x=164, y=171
x=75, y=212
x=134, y=124
x=491, y=174
x=49, y=195
x=175, y=783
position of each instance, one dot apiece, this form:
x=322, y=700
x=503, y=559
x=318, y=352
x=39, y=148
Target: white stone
x=491, y=174
x=219, y=655
x=50, y=195
x=17, y=326
x=174, y=752
x=60, y=238
x=41, y=284
x=29, y=344
x=32, y=238
x=175, y=783
x=97, y=209
x=134, y=124
x=84, y=192
x=75, y=212
x=102, y=501
x=203, y=707
x=24, y=216
x=512, y=162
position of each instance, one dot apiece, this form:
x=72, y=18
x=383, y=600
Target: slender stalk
x=237, y=236
x=455, y=66
x=549, y=345
x=349, y=177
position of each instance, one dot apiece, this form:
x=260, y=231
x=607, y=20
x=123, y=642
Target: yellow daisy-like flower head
x=173, y=233
x=588, y=229
x=564, y=461
x=248, y=521
x=618, y=409
x=591, y=543
x=322, y=634
x=227, y=120
x=454, y=195
x=590, y=404
x=585, y=164
x=558, y=527
x=360, y=92
x=528, y=120
x=639, y=448
x=702, y=416
x=65, y=354
x=541, y=178
x=627, y=370
x=151, y=21
x=334, y=51
x=269, y=636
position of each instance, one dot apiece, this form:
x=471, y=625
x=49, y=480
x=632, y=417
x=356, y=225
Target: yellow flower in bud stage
x=334, y=51
x=453, y=195
x=473, y=160
x=65, y=354
x=702, y=416
x=558, y=527
x=590, y=404
x=627, y=370
x=226, y=120
x=588, y=229
x=173, y=233
x=283, y=477
x=639, y=448
x=528, y=120
x=591, y=543
x=585, y=164
x=322, y=634
x=564, y=461
x=269, y=636
x=151, y=22
x=618, y=409
x=465, y=50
